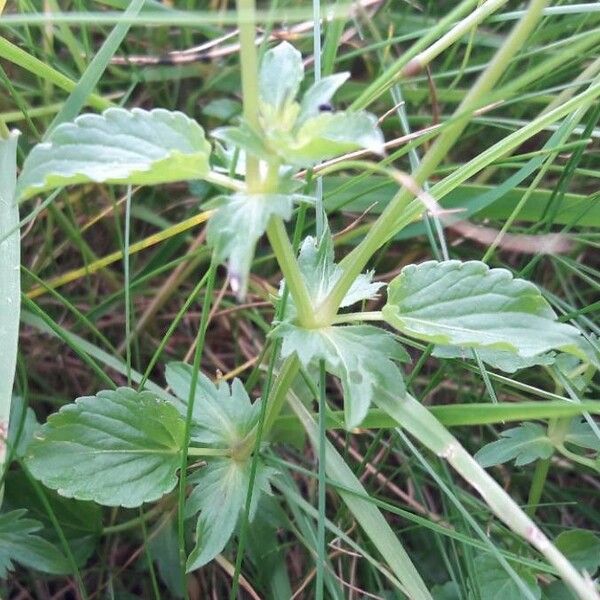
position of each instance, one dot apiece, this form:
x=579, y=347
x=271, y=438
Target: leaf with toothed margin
x=472, y=306
x=21, y=543
x=234, y=230
x=135, y=146
x=361, y=356
x=321, y=273
x=303, y=133
x=223, y=414
x=118, y=448
x=219, y=495
x=524, y=444
x=223, y=417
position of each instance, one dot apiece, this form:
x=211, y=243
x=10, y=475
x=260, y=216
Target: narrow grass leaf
x=10, y=282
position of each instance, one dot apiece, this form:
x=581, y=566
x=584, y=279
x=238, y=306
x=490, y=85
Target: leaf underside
x=469, y=305
x=135, y=146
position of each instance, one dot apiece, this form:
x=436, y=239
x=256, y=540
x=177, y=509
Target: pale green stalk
x=249, y=67
x=365, y=512
x=10, y=282
x=276, y=231
x=421, y=60
x=390, y=75
x=379, y=233
x=412, y=416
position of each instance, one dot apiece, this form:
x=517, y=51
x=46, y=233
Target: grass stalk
x=380, y=231
x=412, y=416
x=10, y=283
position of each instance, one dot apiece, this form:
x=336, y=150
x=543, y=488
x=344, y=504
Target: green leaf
x=301, y=134
x=361, y=356
x=558, y=590
x=328, y=135
x=135, y=146
x=164, y=549
x=23, y=425
x=223, y=415
x=220, y=496
x=581, y=434
x=319, y=95
x=496, y=584
x=281, y=72
x=447, y=591
x=320, y=273
x=469, y=305
x=246, y=139
x=581, y=547
x=525, y=443
x=80, y=522
x=19, y=543
x=498, y=359
x=234, y=230
x=118, y=448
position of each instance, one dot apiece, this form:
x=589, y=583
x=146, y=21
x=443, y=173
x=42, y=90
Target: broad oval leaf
x=498, y=359
x=468, y=304
x=281, y=73
x=327, y=135
x=581, y=547
x=135, y=146
x=118, y=448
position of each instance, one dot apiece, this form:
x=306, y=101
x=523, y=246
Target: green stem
x=135, y=522
x=321, y=555
x=189, y=414
x=412, y=416
x=537, y=485
x=286, y=258
x=278, y=394
x=249, y=66
x=10, y=285
x=387, y=223
x=278, y=237
x=582, y=460
x=193, y=451
x=373, y=315
x=224, y=181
